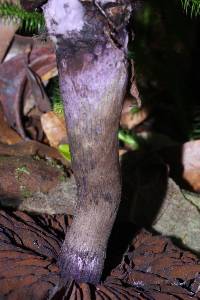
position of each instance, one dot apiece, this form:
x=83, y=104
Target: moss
x=20, y=171
x=62, y=178
x=25, y=192
x=36, y=157
x=51, y=162
x=3, y=158
x=23, y=170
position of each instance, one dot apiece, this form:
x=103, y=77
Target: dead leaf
x=134, y=89
x=7, y=32
x=13, y=82
x=19, y=45
x=38, y=91
x=130, y=119
x=55, y=128
x=191, y=164
x=7, y=134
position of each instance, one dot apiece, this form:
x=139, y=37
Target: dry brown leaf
x=54, y=128
x=134, y=89
x=191, y=155
x=129, y=119
x=191, y=164
x=193, y=178
x=7, y=135
x=13, y=83
x=7, y=31
x=122, y=152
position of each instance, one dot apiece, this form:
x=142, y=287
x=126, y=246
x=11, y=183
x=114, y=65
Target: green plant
x=25, y=193
x=129, y=139
x=55, y=96
x=30, y=21
x=65, y=151
x=192, y=5
x=20, y=171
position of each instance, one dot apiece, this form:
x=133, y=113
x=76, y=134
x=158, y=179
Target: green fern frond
x=55, y=96
x=30, y=21
x=192, y=5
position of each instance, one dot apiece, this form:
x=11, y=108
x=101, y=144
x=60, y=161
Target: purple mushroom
x=91, y=47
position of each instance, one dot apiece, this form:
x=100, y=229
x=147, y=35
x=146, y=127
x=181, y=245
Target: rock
x=153, y=200
x=59, y=200
x=179, y=217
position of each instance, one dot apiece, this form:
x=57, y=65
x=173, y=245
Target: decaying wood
x=156, y=194
x=36, y=185
x=27, y=148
